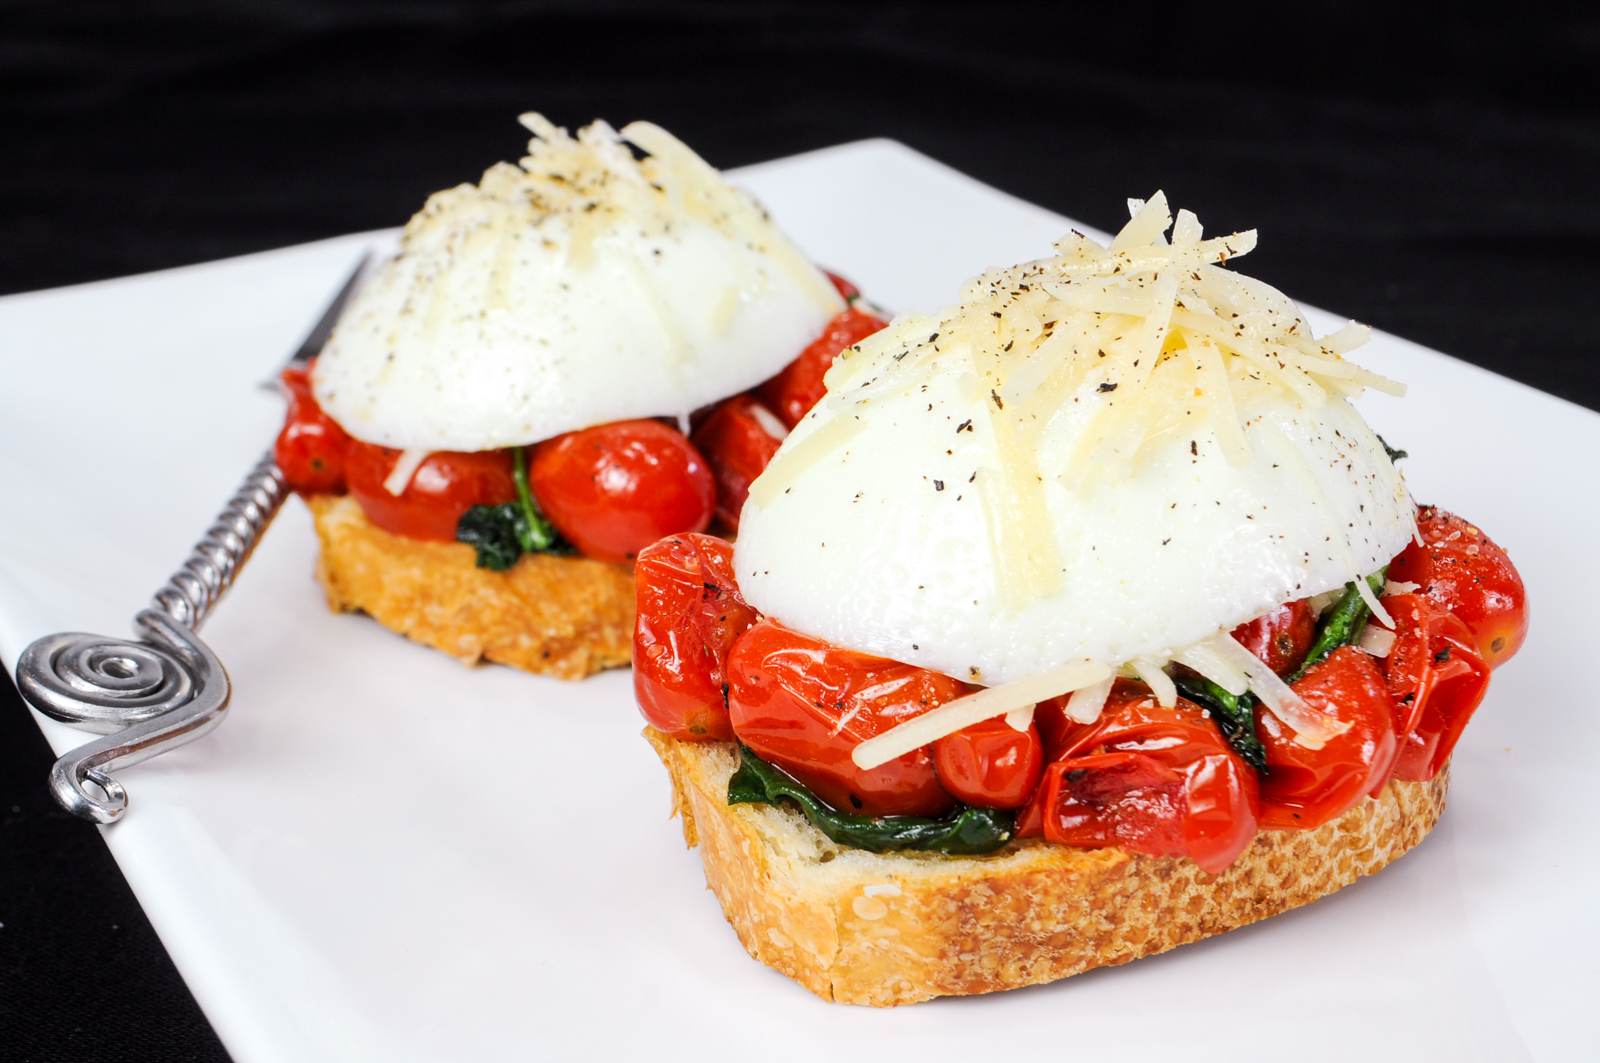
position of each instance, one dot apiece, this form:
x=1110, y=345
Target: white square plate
x=382, y=855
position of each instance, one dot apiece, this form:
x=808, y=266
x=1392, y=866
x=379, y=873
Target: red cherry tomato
x=1150, y=780
x=847, y=291
x=689, y=614
x=805, y=705
x=1436, y=679
x=796, y=389
x=445, y=485
x=1054, y=726
x=1463, y=570
x=990, y=764
x=614, y=489
x=1281, y=637
x=1306, y=788
x=311, y=447
x=737, y=442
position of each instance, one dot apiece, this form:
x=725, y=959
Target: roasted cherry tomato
x=445, y=485
x=689, y=614
x=1463, y=570
x=1281, y=637
x=1150, y=780
x=805, y=705
x=847, y=291
x=311, y=448
x=738, y=438
x=614, y=489
x=793, y=392
x=990, y=764
x=1308, y=787
x=1436, y=679
x=1054, y=726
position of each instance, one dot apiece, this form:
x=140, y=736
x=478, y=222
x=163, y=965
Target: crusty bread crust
x=861, y=928
x=559, y=616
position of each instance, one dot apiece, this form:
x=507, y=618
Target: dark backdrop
x=1433, y=176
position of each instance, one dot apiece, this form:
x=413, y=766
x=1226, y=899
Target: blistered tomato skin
x=990, y=764
x=445, y=486
x=1147, y=779
x=845, y=287
x=1468, y=574
x=1436, y=680
x=689, y=615
x=311, y=447
x=793, y=392
x=1305, y=788
x=1281, y=637
x=614, y=489
x=737, y=443
x=805, y=705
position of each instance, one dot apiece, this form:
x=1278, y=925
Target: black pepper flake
x=1194, y=448
x=1107, y=385
x=964, y=426
x=995, y=395
x=938, y=485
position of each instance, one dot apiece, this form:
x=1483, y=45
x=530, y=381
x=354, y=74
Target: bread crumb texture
x=567, y=617
x=863, y=928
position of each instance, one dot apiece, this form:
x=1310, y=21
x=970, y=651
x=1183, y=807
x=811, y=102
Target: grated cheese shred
x=985, y=704
x=1312, y=727
x=405, y=467
x=1376, y=640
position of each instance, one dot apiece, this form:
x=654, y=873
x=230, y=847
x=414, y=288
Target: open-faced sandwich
x=497, y=424
x=1078, y=622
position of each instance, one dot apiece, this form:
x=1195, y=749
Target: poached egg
x=1100, y=459
x=603, y=277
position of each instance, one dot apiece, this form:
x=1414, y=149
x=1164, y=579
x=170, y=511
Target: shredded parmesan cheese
x=1379, y=613
x=1086, y=703
x=1159, y=682
x=1312, y=727
x=1020, y=719
x=1376, y=640
x=405, y=467
x=1204, y=658
x=986, y=704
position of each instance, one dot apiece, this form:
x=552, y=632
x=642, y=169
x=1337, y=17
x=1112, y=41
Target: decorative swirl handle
x=162, y=690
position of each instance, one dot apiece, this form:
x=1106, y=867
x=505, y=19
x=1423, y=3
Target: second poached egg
x=580, y=286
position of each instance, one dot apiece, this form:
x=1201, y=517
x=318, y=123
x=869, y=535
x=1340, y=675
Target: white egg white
x=577, y=288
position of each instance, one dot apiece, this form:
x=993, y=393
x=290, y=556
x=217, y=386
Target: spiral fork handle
x=200, y=582
x=164, y=688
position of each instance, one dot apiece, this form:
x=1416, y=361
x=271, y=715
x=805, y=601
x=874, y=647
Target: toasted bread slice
x=864, y=928
x=560, y=616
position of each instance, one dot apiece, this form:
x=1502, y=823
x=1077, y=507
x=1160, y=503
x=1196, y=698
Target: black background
x=1433, y=175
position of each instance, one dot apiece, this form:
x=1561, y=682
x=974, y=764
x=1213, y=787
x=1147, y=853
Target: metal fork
x=165, y=687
